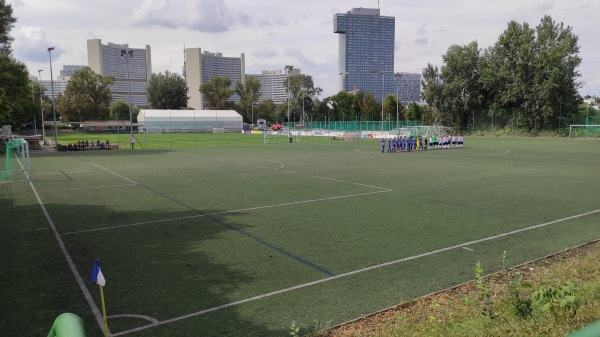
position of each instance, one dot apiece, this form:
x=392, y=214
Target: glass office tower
x=366, y=51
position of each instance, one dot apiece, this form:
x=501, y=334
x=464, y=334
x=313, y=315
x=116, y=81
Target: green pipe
x=67, y=325
x=592, y=330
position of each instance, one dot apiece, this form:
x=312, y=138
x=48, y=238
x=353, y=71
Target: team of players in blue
x=405, y=144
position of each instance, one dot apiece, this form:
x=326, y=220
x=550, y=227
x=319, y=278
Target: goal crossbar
x=17, y=165
x=584, y=131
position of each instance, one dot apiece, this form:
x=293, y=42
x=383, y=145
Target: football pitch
x=244, y=240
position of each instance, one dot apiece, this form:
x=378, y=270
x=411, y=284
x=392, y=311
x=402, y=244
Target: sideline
x=84, y=289
x=358, y=271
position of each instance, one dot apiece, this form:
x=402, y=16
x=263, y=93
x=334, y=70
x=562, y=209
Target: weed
x=294, y=329
x=557, y=300
x=521, y=306
x=484, y=294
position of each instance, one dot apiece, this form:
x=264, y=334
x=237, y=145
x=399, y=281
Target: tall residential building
x=366, y=51
x=68, y=69
x=200, y=67
x=61, y=81
x=106, y=59
x=409, y=88
x=271, y=84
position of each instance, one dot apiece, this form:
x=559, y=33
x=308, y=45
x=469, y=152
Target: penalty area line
x=226, y=212
x=354, y=272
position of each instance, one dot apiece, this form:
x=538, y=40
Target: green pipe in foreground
x=67, y=325
x=592, y=330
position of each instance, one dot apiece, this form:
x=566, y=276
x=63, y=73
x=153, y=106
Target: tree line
x=528, y=79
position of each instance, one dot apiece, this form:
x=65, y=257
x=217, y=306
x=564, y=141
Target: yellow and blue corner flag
x=97, y=276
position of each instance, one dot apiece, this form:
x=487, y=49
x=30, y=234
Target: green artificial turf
x=243, y=240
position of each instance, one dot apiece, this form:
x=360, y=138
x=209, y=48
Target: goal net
x=352, y=135
x=275, y=138
x=425, y=131
x=17, y=165
x=584, y=131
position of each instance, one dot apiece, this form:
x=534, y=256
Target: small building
x=182, y=121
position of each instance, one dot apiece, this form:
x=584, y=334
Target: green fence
x=352, y=125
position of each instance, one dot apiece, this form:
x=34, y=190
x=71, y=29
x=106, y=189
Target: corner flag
x=97, y=276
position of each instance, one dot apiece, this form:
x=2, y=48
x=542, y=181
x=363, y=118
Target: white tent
x=189, y=121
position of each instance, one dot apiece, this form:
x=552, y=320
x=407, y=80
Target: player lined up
x=407, y=144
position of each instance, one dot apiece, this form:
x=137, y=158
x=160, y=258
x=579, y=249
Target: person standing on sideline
x=132, y=141
x=382, y=145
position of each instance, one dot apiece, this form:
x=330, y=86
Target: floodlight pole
x=288, y=69
x=42, y=106
x=127, y=54
x=382, y=97
x=398, y=76
x=50, y=49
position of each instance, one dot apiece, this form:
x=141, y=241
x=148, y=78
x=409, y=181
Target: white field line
x=288, y=171
x=115, y=173
x=148, y=318
x=442, y=152
x=86, y=293
x=227, y=212
x=476, y=154
x=86, y=188
x=281, y=165
x=385, y=189
x=566, y=159
x=358, y=271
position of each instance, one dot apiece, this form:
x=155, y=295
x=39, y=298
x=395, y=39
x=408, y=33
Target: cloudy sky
x=274, y=33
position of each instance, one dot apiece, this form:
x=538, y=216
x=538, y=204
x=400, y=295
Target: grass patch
x=458, y=311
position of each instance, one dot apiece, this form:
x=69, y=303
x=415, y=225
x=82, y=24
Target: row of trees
x=17, y=101
x=527, y=79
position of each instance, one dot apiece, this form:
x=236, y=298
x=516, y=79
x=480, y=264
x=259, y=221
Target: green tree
x=389, y=108
x=267, y=110
x=249, y=92
x=217, y=92
x=302, y=90
x=342, y=104
x=507, y=71
x=119, y=109
x=167, y=91
x=461, y=87
x=555, y=77
x=414, y=112
x=532, y=73
x=87, y=96
x=16, y=105
x=7, y=22
x=433, y=84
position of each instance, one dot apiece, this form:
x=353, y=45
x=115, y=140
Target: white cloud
x=31, y=45
x=273, y=33
x=153, y=13
x=265, y=53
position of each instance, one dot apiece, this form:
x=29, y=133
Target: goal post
x=584, y=131
x=274, y=137
x=17, y=164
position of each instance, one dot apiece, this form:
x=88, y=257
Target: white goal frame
x=597, y=126
x=17, y=165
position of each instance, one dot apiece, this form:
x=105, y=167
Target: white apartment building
x=114, y=59
x=200, y=67
x=61, y=81
x=271, y=84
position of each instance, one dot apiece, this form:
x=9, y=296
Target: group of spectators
x=404, y=144
x=87, y=145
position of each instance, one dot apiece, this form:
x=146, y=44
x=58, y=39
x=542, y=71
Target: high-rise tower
x=366, y=51
x=106, y=59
